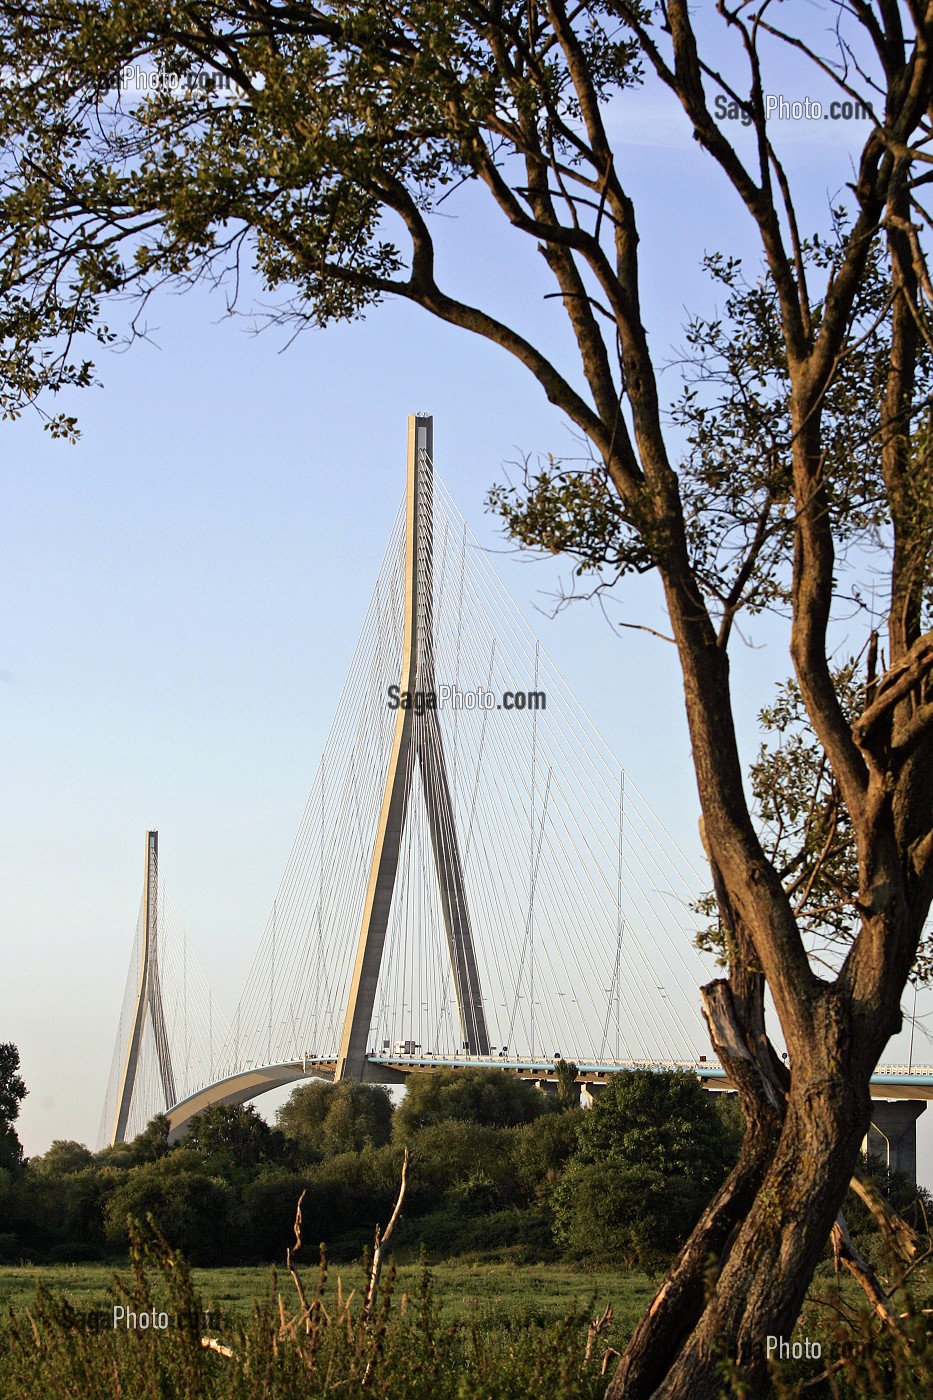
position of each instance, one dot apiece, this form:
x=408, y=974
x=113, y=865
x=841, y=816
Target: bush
x=358, y=1116
x=357, y=1190
x=486, y=1096
x=523, y=1236
x=269, y=1203
x=541, y=1150
x=233, y=1140
x=634, y=1215
x=650, y=1153
x=152, y=1142
x=197, y=1213
x=662, y=1120
x=462, y=1162
x=50, y=1210
x=63, y=1158
x=322, y=1120
x=74, y=1252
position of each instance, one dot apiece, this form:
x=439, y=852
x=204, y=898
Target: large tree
x=649, y=1155
x=476, y=1095
x=322, y=153
x=321, y=1119
x=12, y=1093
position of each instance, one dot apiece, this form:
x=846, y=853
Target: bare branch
x=379, y=1247
x=893, y=687
x=845, y=1252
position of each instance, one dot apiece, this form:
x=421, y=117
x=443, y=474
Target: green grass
x=466, y=1292
x=472, y=1331
x=468, y=1332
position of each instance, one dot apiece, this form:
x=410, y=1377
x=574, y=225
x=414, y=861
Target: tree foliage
x=152, y=1143
x=196, y=1211
x=63, y=1158
x=12, y=1092
x=541, y=1151
x=323, y=1119
x=473, y=1095
x=663, y=1120
x=649, y=1155
x=568, y=1090
x=229, y=1137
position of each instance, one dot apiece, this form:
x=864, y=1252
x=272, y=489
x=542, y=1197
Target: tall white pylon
x=148, y=999
x=417, y=734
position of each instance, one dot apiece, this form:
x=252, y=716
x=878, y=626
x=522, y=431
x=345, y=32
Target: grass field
x=484, y=1331
x=493, y=1295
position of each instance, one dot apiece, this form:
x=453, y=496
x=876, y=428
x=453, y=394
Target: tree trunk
x=769, y=1265
x=734, y=1011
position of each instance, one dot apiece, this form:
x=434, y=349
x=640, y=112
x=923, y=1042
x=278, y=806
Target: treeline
x=497, y=1168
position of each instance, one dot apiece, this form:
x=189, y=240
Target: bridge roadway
x=888, y=1081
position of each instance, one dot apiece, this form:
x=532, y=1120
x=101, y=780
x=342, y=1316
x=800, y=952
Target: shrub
x=447, y=1157
x=523, y=1236
x=63, y=1158
x=197, y=1213
x=650, y=1153
x=541, y=1150
x=357, y=1190
x=233, y=1139
x=661, y=1120
x=322, y=1120
x=74, y=1252
x=485, y=1096
x=269, y=1203
x=632, y=1214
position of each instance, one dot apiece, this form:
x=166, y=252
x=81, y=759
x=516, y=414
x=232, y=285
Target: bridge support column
x=548, y=1087
x=892, y=1136
x=590, y=1091
x=416, y=737
x=148, y=1001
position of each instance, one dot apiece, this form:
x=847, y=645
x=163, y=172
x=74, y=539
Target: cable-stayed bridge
x=475, y=879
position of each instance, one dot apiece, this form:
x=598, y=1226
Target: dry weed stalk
x=902, y=1237
x=380, y=1243
x=597, y=1326
x=315, y=1316
x=903, y=1241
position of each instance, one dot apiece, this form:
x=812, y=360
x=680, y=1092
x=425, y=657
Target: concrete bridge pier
x=548, y=1087
x=892, y=1136
x=590, y=1091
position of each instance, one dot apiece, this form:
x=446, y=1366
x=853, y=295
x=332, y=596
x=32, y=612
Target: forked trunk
x=763, y=1281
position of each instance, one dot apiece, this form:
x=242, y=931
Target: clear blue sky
x=182, y=593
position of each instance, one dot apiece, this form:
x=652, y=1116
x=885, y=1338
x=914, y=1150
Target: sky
x=182, y=592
